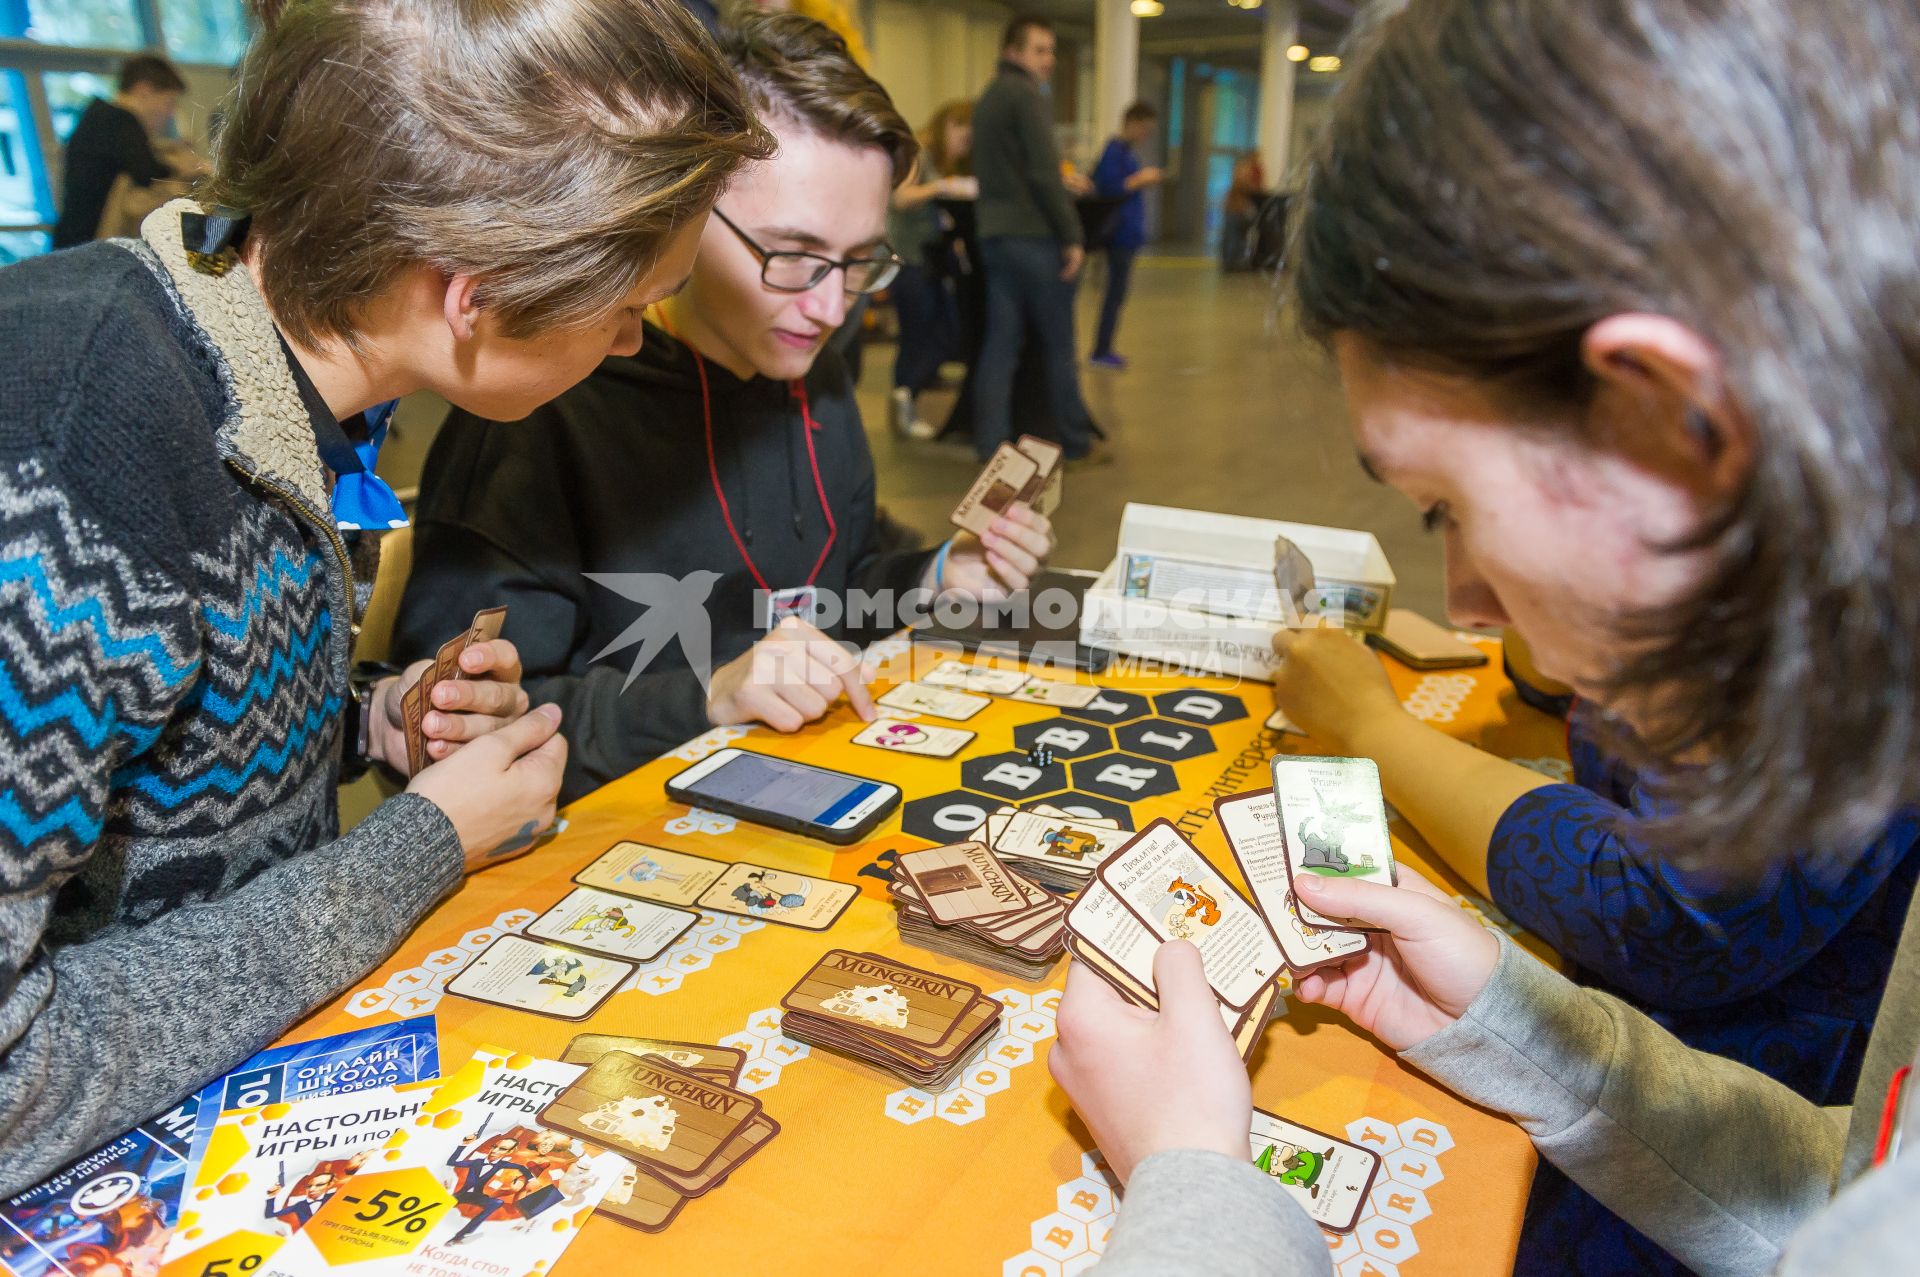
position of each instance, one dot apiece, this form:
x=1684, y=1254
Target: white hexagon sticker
x=410, y=1004
x=909, y=1106
x=1086, y=1199
x=691, y=960
x=411, y=980
x=718, y=941
x=751, y=1043
x=960, y=1107
x=758, y=1075
x=1094, y=1165
x=1060, y=1236
x=1030, y=1263
x=448, y=959
x=1419, y=1170
x=985, y=1079
x=1046, y=1002
x=369, y=1002
x=475, y=941
x=1387, y=1239
x=1422, y=1136
x=699, y=820
x=514, y=919
x=1100, y=1232
x=765, y=1023
x=785, y=1050
x=656, y=982
x=1343, y=1246
x=1009, y=1053
x=1079, y=1263
x=1030, y=1027
x=1364, y=1265
x=1397, y=1201
x=745, y=926
x=1013, y=1000
x=1371, y=1133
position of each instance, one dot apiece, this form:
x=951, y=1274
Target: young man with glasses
x=715, y=490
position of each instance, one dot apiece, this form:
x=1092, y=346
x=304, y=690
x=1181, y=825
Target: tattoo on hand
x=522, y=838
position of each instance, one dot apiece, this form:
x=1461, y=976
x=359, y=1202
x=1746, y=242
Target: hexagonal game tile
x=1085, y=1199
x=1065, y=737
x=758, y=1075
x=409, y=1004
x=1398, y=1201
x=1030, y=1263
x=514, y=919
x=1060, y=1236
x=1369, y=1132
x=945, y=818
x=410, y=979
x=1427, y=1137
x=985, y=1079
x=1011, y=777
x=961, y=1107
x=448, y=959
x=1013, y=1000
x=1124, y=778
x=1387, y=1239
x=1365, y=1265
x=1204, y=708
x=786, y=1051
x=657, y=982
x=1009, y=1052
x=1094, y=1166
x=719, y=941
x=1164, y=739
x=752, y=1043
x=1031, y=1027
x=1080, y=1263
x=1342, y=1246
x=1418, y=1170
x=909, y=1106
x=475, y=941
x=369, y=1002
x=1112, y=707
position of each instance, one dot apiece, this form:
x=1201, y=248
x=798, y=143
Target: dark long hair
x=1498, y=175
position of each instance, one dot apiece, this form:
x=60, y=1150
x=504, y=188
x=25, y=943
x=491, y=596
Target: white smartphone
x=835, y=807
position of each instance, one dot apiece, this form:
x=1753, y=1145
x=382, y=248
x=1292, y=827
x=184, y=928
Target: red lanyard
x=797, y=390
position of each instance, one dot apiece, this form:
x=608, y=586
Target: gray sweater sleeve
x=103, y=1034
x=1189, y=1213
x=1715, y=1161
x=1042, y=173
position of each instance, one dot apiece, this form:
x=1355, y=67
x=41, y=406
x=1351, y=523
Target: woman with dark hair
x=1623, y=296
x=922, y=301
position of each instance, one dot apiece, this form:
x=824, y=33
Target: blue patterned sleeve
x=1565, y=864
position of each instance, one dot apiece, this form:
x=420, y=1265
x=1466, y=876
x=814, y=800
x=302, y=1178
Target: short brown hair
x=1499, y=175
x=1140, y=111
x=549, y=148
x=157, y=72
x=797, y=69
x=1015, y=36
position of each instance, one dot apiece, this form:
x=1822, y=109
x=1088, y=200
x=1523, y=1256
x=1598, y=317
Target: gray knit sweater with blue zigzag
x=175, y=617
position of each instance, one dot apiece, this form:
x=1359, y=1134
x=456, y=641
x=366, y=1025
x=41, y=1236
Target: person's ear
x=1662, y=401
x=457, y=303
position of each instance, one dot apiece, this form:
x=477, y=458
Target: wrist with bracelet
x=361, y=710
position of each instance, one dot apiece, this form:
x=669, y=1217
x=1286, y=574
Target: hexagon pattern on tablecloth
x=1024, y=1025
x=1072, y=1236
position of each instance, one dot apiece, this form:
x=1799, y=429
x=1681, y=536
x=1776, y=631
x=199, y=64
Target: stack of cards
x=1251, y=824
x=1028, y=472
x=1159, y=888
x=963, y=902
x=446, y=664
x=684, y=1130
x=915, y=1024
x=1050, y=846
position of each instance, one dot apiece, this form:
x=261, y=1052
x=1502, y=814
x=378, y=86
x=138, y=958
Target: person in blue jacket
x=1784, y=976
x=1121, y=175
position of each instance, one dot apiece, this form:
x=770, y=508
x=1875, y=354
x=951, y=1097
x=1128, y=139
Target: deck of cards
x=1052, y=847
x=963, y=901
x=418, y=699
x=672, y=1109
x=916, y=1024
x=1027, y=472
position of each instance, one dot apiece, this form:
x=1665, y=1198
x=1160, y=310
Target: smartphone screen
x=784, y=789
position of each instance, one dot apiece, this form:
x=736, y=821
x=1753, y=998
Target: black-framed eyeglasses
x=794, y=272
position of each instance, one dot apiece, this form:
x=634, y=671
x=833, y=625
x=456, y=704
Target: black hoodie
x=614, y=477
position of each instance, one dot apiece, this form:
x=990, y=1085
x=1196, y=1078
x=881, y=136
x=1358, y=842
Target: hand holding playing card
x=499, y=792
x=1415, y=979
x=1150, y=1081
x=1002, y=560
x=1331, y=685
x=485, y=697
x=788, y=679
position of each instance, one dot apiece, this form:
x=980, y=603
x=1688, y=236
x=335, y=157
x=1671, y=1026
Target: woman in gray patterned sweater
x=468, y=198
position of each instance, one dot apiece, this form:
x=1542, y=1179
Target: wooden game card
x=998, y=487
x=962, y=882
x=643, y=1107
x=883, y=997
x=715, y=1063
x=1251, y=824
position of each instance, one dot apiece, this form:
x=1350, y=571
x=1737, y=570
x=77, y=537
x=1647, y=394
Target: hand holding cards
x=418, y=699
x=1028, y=472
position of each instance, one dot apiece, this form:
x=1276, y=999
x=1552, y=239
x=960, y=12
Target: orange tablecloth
x=995, y=1174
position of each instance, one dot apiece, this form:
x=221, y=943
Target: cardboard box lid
x=1337, y=554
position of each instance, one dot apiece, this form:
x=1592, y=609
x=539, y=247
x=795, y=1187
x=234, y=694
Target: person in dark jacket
x=1031, y=245
x=112, y=138
x=1121, y=175
x=721, y=474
